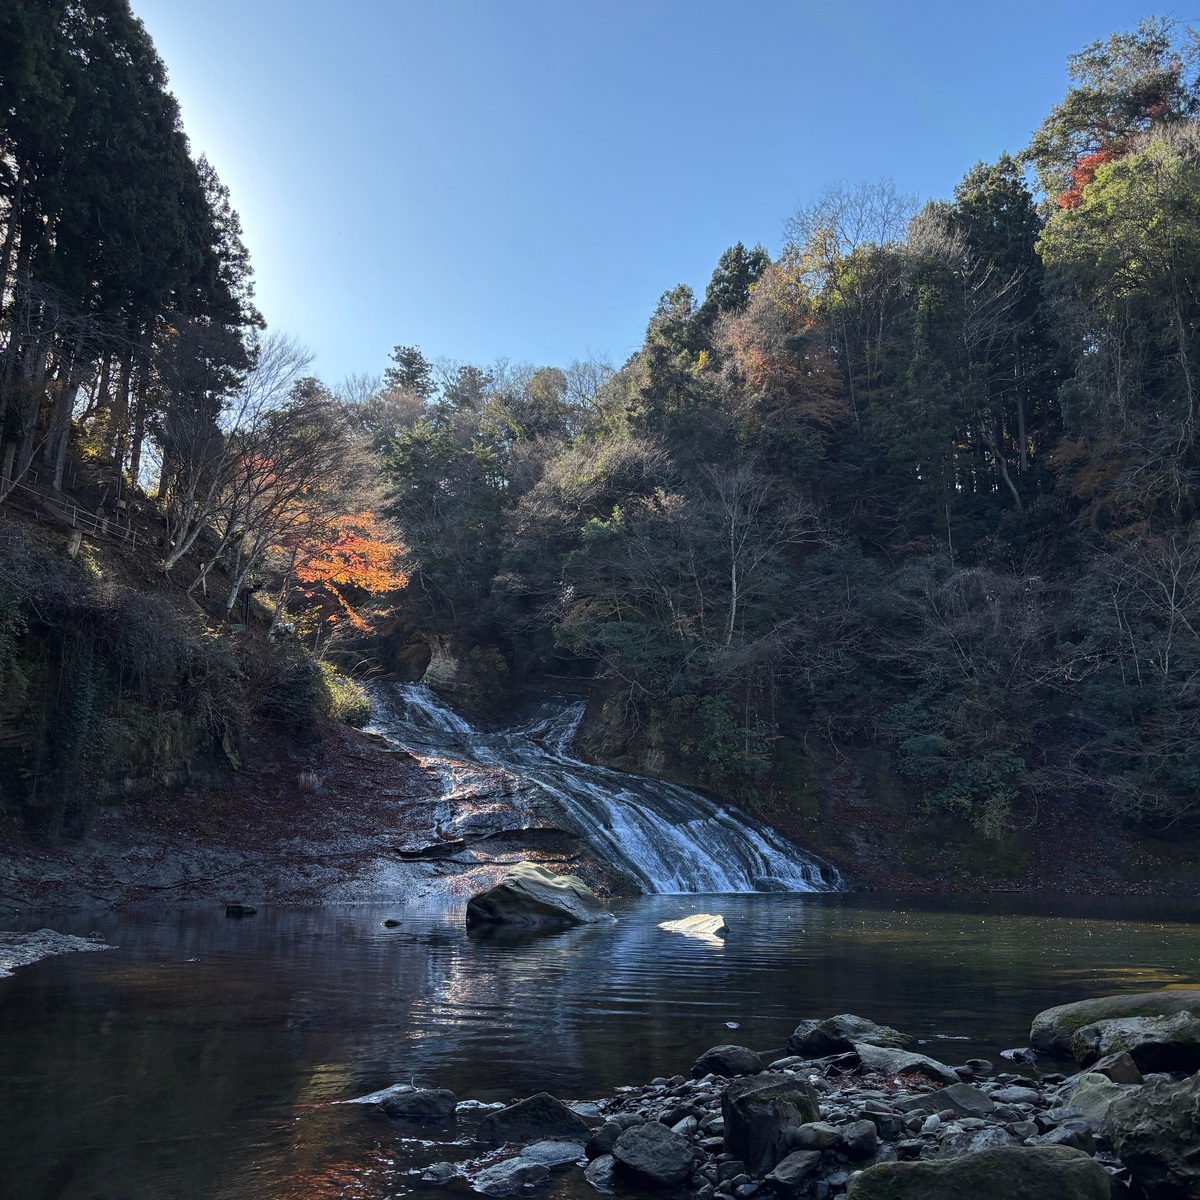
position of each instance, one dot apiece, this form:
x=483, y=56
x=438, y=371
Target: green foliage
x=344, y=700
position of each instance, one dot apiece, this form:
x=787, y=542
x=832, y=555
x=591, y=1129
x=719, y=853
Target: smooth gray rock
x=817, y=1135
x=1015, y=1094
x=509, y=1175
x=1053, y=1028
x=600, y=1172
x=603, y=1140
x=836, y=1035
x=901, y=1062
x=972, y=1141
x=758, y=1110
x=1074, y=1132
x=1156, y=1132
x=1011, y=1173
x=531, y=896
x=791, y=1174
x=1090, y=1095
x=860, y=1139
x=537, y=1118
x=554, y=1155
x=425, y=1105
x=1120, y=1068
x=653, y=1154
x=728, y=1061
x=1170, y=1043
x=965, y=1100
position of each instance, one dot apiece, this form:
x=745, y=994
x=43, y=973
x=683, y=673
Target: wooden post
x=73, y=543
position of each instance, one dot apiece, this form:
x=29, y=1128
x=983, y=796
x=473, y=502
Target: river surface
x=203, y=1058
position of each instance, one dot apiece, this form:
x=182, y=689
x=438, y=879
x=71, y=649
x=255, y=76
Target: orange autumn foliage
x=356, y=555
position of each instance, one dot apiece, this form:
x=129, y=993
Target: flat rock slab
x=554, y=1154
x=1053, y=1027
x=538, y=1118
x=901, y=1062
x=510, y=1176
x=836, y=1035
x=23, y=949
x=1013, y=1173
x=708, y=927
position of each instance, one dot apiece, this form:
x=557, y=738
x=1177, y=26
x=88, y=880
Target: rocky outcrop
x=531, y=896
x=1169, y=1043
x=727, y=1061
x=1054, y=1027
x=757, y=1113
x=1156, y=1132
x=532, y=1120
x=836, y=1035
x=653, y=1154
x=1012, y=1173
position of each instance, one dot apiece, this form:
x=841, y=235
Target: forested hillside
x=924, y=481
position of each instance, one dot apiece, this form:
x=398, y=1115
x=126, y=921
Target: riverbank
x=347, y=818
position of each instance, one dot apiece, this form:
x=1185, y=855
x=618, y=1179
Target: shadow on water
x=203, y=1057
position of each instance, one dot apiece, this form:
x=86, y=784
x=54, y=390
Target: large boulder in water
x=534, y=897
x=1154, y=1043
x=422, y=1105
x=532, y=1120
x=1156, y=1132
x=1054, y=1027
x=1009, y=1173
x=836, y=1035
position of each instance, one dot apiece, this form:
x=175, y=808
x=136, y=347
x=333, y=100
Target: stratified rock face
x=758, y=1111
x=532, y=1120
x=901, y=1062
x=531, y=896
x=836, y=1035
x=1156, y=1133
x=424, y=1105
x=1052, y=1029
x=653, y=1154
x=1012, y=1173
x=1154, y=1043
x=727, y=1061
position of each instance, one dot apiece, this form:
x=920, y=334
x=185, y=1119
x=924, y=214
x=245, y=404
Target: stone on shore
x=1010, y=1173
x=758, y=1111
x=1091, y=1094
x=965, y=1100
x=701, y=925
x=728, y=1061
x=510, y=1175
x=424, y=1105
x=1170, y=1043
x=836, y=1035
x=792, y=1174
x=1156, y=1132
x=533, y=897
x=535, y=1119
x=1053, y=1027
x=653, y=1154
x=901, y=1062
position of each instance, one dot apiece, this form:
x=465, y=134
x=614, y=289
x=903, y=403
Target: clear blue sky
x=524, y=178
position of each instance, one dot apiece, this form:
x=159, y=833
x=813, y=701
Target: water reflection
x=199, y=1058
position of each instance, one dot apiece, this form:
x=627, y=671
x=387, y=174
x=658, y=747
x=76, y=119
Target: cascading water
x=666, y=838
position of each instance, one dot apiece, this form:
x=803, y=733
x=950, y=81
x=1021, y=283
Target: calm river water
x=202, y=1057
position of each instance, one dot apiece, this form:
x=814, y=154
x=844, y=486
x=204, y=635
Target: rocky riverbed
x=851, y=1110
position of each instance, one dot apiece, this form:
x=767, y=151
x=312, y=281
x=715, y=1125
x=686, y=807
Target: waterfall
x=667, y=838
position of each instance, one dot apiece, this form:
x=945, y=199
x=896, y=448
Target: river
x=202, y=1059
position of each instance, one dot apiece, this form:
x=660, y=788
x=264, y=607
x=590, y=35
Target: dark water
x=200, y=1059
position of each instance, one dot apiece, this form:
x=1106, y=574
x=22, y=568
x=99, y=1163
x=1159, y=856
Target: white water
x=668, y=839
